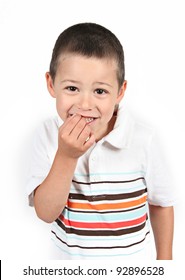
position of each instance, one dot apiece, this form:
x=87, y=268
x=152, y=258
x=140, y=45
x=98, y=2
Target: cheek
x=107, y=112
x=62, y=107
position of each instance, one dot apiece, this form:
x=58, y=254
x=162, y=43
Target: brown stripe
x=111, y=247
x=99, y=232
x=108, y=182
x=107, y=196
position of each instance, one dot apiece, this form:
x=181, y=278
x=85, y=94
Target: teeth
x=88, y=120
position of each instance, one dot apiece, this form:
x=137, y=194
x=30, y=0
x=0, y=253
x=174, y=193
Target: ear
x=50, y=85
x=122, y=92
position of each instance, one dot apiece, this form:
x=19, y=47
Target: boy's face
x=88, y=87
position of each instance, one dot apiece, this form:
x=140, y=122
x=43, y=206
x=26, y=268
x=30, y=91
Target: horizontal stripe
x=104, y=212
x=91, y=232
x=100, y=239
x=106, y=206
x=103, y=225
x=107, y=189
x=108, y=182
x=99, y=247
x=107, y=196
x=118, y=255
x=109, y=174
x=108, y=217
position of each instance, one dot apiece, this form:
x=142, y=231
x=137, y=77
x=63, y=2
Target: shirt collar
x=121, y=135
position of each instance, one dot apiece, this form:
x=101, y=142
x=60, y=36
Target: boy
x=95, y=168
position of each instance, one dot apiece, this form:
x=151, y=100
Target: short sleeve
x=42, y=154
x=159, y=178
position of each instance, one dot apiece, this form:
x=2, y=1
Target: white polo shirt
x=106, y=214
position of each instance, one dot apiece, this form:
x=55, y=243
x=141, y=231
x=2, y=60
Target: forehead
x=75, y=62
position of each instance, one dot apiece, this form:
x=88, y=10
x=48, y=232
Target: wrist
x=60, y=156
x=164, y=257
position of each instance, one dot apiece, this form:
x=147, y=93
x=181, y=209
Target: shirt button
x=93, y=180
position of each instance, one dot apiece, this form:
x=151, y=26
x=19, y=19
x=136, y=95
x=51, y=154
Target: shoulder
x=49, y=125
x=142, y=131
x=47, y=131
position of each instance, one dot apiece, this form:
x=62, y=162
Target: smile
x=88, y=119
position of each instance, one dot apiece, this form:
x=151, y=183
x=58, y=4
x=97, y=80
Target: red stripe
x=103, y=225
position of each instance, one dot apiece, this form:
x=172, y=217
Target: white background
x=152, y=34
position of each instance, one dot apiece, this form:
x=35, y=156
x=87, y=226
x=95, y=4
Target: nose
x=85, y=101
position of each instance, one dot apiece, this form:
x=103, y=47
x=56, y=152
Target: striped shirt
x=106, y=214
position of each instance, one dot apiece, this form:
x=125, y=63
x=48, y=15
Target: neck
x=107, y=130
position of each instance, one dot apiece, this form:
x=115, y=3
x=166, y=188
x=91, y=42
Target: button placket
x=93, y=166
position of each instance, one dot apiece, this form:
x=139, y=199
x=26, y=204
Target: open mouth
x=89, y=120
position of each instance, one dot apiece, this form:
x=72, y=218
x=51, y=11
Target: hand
x=73, y=135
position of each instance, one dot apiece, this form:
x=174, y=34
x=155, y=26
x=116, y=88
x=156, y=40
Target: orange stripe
x=105, y=206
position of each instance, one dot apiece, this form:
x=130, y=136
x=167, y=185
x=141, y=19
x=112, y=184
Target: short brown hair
x=89, y=39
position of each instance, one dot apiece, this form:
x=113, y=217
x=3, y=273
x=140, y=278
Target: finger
x=78, y=129
x=85, y=134
x=89, y=141
x=69, y=124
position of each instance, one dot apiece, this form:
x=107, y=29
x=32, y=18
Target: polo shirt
x=106, y=214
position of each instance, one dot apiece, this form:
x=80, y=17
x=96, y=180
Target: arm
x=51, y=196
x=162, y=221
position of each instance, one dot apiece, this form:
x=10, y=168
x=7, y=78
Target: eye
x=100, y=91
x=71, y=88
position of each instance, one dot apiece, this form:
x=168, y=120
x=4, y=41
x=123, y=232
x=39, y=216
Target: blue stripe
x=109, y=174
x=108, y=217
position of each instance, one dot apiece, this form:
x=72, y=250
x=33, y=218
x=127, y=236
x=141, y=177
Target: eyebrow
x=70, y=81
x=77, y=82
x=103, y=83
